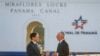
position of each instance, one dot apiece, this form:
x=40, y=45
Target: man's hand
x=54, y=54
x=47, y=53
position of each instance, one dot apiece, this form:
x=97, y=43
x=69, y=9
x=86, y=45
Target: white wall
x=13, y=25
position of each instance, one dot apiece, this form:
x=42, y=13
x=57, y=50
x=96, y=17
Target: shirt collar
x=61, y=40
x=34, y=42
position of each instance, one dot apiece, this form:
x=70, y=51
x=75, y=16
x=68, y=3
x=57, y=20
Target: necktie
x=59, y=44
x=58, y=47
x=37, y=46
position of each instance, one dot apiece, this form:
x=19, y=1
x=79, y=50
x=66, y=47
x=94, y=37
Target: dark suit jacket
x=32, y=50
x=63, y=49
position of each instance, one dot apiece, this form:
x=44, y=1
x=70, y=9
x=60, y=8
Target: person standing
x=63, y=48
x=32, y=47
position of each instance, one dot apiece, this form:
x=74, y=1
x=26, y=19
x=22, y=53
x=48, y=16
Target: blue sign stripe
x=12, y=53
x=24, y=53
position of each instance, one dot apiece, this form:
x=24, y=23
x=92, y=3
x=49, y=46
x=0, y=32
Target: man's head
x=60, y=36
x=34, y=36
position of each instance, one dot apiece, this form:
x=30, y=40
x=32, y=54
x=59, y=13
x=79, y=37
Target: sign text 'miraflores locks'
x=36, y=4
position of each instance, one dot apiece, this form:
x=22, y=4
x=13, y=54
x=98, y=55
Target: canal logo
x=79, y=23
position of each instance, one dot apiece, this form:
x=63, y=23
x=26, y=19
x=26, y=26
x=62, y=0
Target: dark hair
x=32, y=35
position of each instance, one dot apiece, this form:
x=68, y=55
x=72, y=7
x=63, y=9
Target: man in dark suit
x=63, y=48
x=32, y=48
